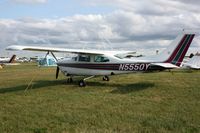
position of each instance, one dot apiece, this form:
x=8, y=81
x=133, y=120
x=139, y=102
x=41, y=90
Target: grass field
x=149, y=102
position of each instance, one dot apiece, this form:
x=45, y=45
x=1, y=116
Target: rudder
x=181, y=49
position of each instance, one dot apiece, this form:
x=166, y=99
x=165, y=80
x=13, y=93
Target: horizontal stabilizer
x=165, y=65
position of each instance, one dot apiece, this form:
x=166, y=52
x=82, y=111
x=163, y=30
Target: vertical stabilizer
x=176, y=51
x=12, y=59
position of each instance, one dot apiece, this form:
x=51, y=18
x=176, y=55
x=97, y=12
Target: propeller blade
x=57, y=72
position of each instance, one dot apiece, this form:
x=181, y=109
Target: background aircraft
x=94, y=63
x=7, y=61
x=193, y=62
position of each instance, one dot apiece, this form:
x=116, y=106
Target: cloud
x=119, y=26
x=30, y=1
x=150, y=7
x=136, y=25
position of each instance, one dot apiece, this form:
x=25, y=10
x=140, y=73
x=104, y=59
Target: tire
x=82, y=83
x=106, y=78
x=69, y=80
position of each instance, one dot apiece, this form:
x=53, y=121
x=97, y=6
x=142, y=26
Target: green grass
x=146, y=102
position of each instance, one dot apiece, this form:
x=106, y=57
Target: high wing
x=64, y=50
x=50, y=49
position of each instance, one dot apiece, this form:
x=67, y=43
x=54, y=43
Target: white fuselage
x=4, y=60
x=107, y=65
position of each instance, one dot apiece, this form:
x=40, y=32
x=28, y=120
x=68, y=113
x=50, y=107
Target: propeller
x=57, y=71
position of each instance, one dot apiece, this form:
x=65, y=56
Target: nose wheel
x=70, y=80
x=106, y=78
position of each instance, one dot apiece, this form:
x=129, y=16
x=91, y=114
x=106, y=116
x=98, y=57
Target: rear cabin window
x=99, y=58
x=84, y=58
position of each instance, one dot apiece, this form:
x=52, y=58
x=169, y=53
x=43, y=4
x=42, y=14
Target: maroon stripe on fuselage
x=115, y=67
x=173, y=55
x=92, y=66
x=184, y=51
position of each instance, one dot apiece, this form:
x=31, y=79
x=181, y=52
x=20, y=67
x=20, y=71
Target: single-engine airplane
x=7, y=61
x=101, y=63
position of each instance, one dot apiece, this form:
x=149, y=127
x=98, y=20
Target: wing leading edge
x=64, y=50
x=50, y=49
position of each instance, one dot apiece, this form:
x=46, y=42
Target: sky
x=143, y=26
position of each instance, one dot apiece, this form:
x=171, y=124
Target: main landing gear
x=82, y=82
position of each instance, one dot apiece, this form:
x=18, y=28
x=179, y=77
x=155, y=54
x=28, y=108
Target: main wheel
x=106, y=78
x=82, y=83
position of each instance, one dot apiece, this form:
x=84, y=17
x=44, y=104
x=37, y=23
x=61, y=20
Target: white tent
x=48, y=61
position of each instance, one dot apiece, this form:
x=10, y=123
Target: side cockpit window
x=84, y=58
x=100, y=58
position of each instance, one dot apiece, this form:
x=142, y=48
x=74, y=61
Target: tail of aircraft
x=12, y=59
x=176, y=51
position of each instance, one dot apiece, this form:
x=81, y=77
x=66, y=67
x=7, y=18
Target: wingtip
x=14, y=48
